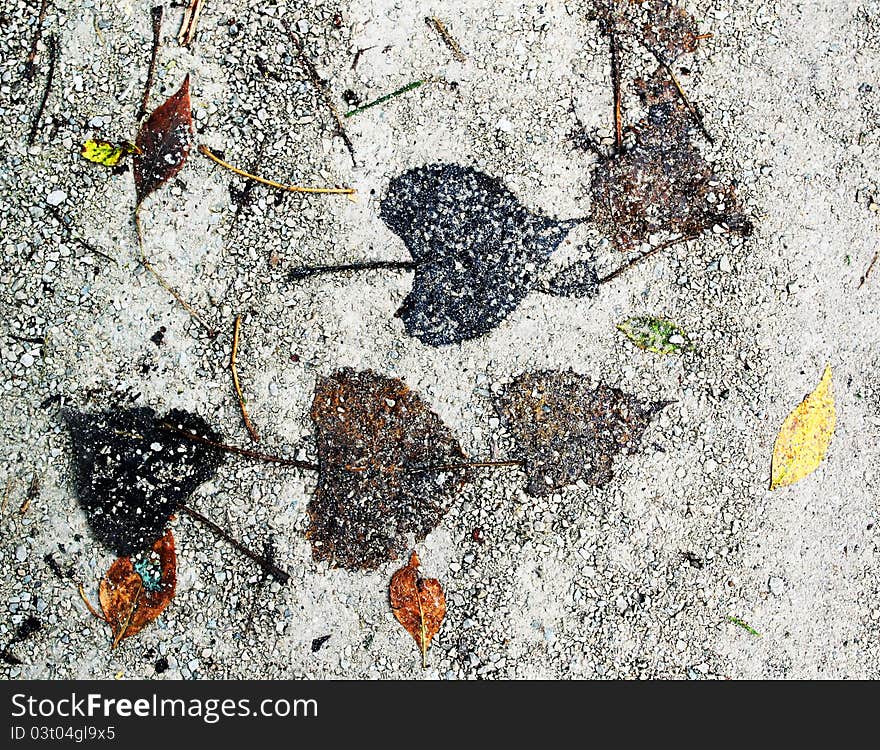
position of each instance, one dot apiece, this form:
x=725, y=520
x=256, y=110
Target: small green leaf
x=108, y=154
x=655, y=335
x=744, y=625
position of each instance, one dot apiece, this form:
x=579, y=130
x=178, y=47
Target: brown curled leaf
x=371, y=433
x=418, y=603
x=134, y=593
x=164, y=141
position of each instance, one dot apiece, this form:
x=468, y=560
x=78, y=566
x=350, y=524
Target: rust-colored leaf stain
x=130, y=602
x=164, y=141
x=372, y=431
x=418, y=603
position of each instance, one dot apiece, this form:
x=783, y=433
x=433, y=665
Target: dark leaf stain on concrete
x=477, y=250
x=132, y=474
x=369, y=429
x=662, y=184
x=566, y=429
x=662, y=24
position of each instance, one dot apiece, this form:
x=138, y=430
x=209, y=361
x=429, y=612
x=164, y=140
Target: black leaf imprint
x=131, y=474
x=477, y=250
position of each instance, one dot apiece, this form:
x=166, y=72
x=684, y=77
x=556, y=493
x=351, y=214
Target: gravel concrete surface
x=637, y=579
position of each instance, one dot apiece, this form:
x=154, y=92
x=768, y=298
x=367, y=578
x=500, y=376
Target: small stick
x=615, y=84
x=29, y=67
x=322, y=91
x=205, y=151
x=383, y=99
x=190, y=20
x=232, y=366
x=380, y=265
x=868, y=270
x=357, y=56
x=65, y=225
x=653, y=251
x=53, y=59
x=165, y=285
x=267, y=565
x=88, y=604
x=10, y=483
x=267, y=457
x=30, y=496
x=156, y=14
x=701, y=37
x=695, y=113
x=447, y=37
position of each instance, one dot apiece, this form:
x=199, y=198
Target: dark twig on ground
x=267, y=565
x=68, y=231
x=156, y=15
x=233, y=367
x=448, y=39
x=29, y=67
x=644, y=256
x=53, y=61
x=868, y=269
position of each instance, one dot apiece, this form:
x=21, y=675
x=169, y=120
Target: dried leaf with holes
x=566, y=429
x=418, y=604
x=164, y=141
x=371, y=433
x=131, y=474
x=133, y=593
x=805, y=436
x=655, y=335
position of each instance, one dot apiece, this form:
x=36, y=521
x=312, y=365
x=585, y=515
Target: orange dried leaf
x=418, y=603
x=132, y=595
x=164, y=142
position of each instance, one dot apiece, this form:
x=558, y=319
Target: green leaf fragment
x=655, y=335
x=105, y=153
x=744, y=625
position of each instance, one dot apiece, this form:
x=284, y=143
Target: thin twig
x=53, y=59
x=190, y=20
x=385, y=98
x=232, y=366
x=357, y=56
x=381, y=265
x=868, y=269
x=204, y=150
x=322, y=91
x=31, y=494
x=267, y=457
x=653, y=251
x=270, y=567
x=156, y=14
x=165, y=285
x=695, y=113
x=29, y=67
x=615, y=85
x=68, y=230
x=89, y=606
x=447, y=38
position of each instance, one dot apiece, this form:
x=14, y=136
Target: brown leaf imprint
x=164, y=141
x=662, y=184
x=566, y=429
x=418, y=603
x=369, y=429
x=131, y=602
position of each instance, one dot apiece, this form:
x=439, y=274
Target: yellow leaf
x=108, y=154
x=804, y=436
